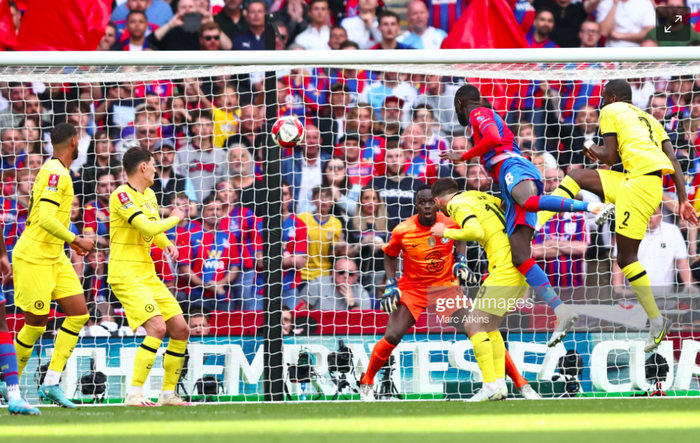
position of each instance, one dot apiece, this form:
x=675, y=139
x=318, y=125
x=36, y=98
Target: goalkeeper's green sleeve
x=49, y=222
x=471, y=231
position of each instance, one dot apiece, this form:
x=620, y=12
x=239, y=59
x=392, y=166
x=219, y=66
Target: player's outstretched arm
x=685, y=207
x=471, y=231
x=150, y=228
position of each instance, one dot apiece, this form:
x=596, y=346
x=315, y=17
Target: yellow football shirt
x=130, y=250
x=54, y=185
x=639, y=138
x=225, y=125
x=487, y=210
x=320, y=239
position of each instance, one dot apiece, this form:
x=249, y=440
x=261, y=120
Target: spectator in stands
x=96, y=212
x=657, y=106
x=625, y=23
x=324, y=232
x=198, y=322
x=210, y=36
x=211, y=261
x=101, y=157
x=418, y=160
x=332, y=119
x=423, y=115
x=392, y=84
x=226, y=114
x=541, y=30
x=565, y=140
x=109, y=39
x=30, y=129
x=456, y=170
x=664, y=250
x=147, y=133
x=294, y=238
x=440, y=96
x=390, y=28
x=303, y=169
x=560, y=246
x=359, y=171
x=569, y=17
x=392, y=115
x=200, y=160
x=317, y=34
x=136, y=26
x=345, y=194
x=396, y=189
x=589, y=34
x=231, y=19
x=118, y=109
x=13, y=155
x=250, y=133
x=252, y=39
x=173, y=36
x=35, y=162
x=671, y=9
x=419, y=35
x=293, y=13
x=241, y=174
x=168, y=183
x=338, y=36
x=339, y=292
x=23, y=103
x=477, y=178
x=94, y=278
x=363, y=28
x=282, y=37
x=157, y=11
x=367, y=231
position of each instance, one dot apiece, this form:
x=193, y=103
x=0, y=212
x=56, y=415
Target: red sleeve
x=300, y=243
x=234, y=253
x=482, y=122
x=90, y=217
x=395, y=245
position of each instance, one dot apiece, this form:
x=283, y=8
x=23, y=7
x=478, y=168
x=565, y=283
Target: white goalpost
x=203, y=115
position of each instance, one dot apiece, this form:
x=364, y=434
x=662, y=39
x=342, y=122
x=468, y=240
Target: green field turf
x=563, y=421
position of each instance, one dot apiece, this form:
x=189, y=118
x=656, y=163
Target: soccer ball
x=287, y=132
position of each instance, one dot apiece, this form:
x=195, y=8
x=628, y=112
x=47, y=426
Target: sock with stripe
x=172, y=363
x=380, y=354
x=66, y=339
x=24, y=344
x=143, y=362
x=498, y=347
x=513, y=372
x=567, y=189
x=641, y=285
x=8, y=365
x=483, y=352
x=538, y=280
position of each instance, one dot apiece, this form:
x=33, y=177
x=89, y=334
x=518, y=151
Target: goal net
x=373, y=135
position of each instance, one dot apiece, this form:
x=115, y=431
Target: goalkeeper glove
x=461, y=271
x=391, y=297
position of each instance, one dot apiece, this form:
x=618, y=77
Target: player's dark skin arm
x=401, y=319
x=607, y=154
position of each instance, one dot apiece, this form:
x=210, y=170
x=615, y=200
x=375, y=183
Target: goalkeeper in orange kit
x=427, y=262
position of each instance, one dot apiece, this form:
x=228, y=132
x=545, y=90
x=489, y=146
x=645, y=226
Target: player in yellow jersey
x=482, y=220
x=647, y=154
x=43, y=272
x=134, y=224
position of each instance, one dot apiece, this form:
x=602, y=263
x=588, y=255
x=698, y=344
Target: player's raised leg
x=577, y=179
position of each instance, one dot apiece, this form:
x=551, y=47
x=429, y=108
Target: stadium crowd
x=371, y=140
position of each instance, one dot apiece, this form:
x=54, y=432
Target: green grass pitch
x=562, y=421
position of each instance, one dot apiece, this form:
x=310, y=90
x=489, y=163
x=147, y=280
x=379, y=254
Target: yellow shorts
x=36, y=285
x=635, y=199
x=500, y=292
x=145, y=298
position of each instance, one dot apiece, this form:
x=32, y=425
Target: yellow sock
x=24, y=344
x=499, y=353
x=145, y=356
x=66, y=340
x=567, y=188
x=172, y=363
x=484, y=356
x=641, y=285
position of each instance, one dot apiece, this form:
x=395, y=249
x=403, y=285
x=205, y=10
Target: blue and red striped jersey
x=295, y=241
x=479, y=120
x=564, y=271
x=530, y=37
x=212, y=255
x=243, y=225
x=13, y=219
x=99, y=224
x=444, y=13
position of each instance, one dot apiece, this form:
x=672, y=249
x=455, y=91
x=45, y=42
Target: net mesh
x=207, y=128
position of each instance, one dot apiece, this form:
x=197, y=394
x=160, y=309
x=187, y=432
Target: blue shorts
x=513, y=171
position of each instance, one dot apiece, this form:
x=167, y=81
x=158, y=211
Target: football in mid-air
x=287, y=132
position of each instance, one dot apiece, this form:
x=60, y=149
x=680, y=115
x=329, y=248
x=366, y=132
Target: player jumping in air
x=647, y=154
x=521, y=185
x=481, y=219
x=43, y=272
x=8, y=357
x=427, y=262
x=134, y=224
